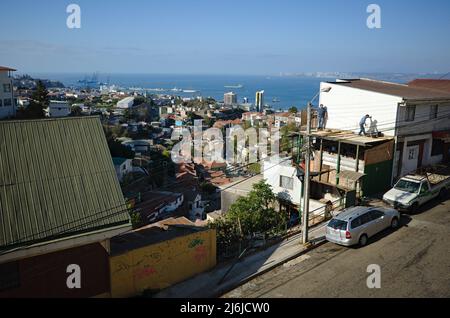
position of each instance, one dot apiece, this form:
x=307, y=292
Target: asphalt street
x=414, y=261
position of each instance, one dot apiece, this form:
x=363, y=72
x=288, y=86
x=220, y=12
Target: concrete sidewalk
x=206, y=285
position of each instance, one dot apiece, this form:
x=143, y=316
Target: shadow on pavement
x=404, y=221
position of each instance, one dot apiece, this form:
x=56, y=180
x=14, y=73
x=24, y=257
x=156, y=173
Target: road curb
x=227, y=289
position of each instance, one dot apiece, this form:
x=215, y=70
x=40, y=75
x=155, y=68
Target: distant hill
x=390, y=77
x=27, y=82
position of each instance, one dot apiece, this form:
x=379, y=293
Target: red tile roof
x=440, y=85
x=404, y=91
x=4, y=68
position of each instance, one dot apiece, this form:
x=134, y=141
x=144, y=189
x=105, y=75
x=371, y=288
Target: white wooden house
x=411, y=114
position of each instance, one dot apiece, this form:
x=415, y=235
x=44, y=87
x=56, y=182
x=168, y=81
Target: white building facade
x=123, y=167
x=7, y=101
x=230, y=99
x=58, y=109
x=125, y=103
x=281, y=175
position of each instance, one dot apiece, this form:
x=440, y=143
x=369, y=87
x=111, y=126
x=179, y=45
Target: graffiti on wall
x=200, y=251
x=196, y=242
x=123, y=266
x=145, y=272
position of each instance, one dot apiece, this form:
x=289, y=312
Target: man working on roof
x=322, y=113
x=362, y=125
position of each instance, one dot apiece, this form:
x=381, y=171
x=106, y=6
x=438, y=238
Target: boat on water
x=234, y=86
x=189, y=91
x=176, y=89
x=92, y=82
x=275, y=100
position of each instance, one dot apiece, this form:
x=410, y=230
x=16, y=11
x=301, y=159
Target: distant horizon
x=284, y=74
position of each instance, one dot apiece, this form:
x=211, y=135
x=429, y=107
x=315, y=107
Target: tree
x=138, y=100
x=293, y=110
x=209, y=122
x=76, y=111
x=136, y=219
x=115, y=147
x=256, y=213
x=39, y=102
x=285, y=142
x=227, y=233
x=255, y=168
x=191, y=116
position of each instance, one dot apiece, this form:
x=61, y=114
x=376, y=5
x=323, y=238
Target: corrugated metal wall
x=46, y=275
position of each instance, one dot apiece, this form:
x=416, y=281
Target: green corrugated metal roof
x=57, y=179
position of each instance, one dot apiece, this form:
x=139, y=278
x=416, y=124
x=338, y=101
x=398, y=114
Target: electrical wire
x=177, y=182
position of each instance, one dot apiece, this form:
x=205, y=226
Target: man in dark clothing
x=362, y=124
x=322, y=113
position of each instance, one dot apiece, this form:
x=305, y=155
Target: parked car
x=356, y=225
x=414, y=190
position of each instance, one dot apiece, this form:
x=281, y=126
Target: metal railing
x=326, y=212
x=316, y=216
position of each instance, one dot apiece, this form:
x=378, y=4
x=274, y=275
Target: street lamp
x=306, y=179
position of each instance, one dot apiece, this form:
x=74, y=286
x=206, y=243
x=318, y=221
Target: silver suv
x=356, y=225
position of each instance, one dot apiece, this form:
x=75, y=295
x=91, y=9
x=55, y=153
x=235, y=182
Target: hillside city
x=225, y=158
x=117, y=144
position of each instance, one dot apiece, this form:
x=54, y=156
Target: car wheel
x=363, y=240
x=394, y=223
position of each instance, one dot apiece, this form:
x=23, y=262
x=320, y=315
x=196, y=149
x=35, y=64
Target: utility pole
x=306, y=179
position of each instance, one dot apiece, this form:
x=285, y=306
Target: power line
x=174, y=183
x=21, y=240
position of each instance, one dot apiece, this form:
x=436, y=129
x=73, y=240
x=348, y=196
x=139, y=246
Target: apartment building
x=7, y=101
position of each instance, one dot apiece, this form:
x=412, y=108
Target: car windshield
x=338, y=224
x=408, y=186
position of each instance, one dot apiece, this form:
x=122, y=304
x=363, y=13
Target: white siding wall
x=6, y=111
x=272, y=173
x=422, y=122
x=58, y=109
x=346, y=106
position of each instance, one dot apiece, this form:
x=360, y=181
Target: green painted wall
x=378, y=178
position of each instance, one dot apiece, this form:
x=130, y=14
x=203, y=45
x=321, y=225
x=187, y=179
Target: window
x=338, y=224
x=365, y=218
x=356, y=223
x=1, y=103
x=7, y=102
x=425, y=188
x=407, y=186
x=7, y=88
x=410, y=113
x=434, y=111
x=287, y=183
x=375, y=215
x=9, y=276
x=412, y=154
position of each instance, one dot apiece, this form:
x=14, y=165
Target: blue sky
x=226, y=37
